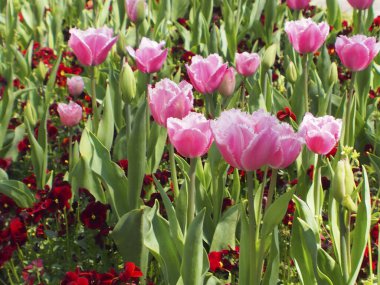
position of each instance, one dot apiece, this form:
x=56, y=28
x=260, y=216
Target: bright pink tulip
x=357, y=52
x=167, y=99
x=191, y=136
x=320, y=134
x=247, y=63
x=361, y=4
x=289, y=146
x=206, y=74
x=70, y=114
x=149, y=56
x=227, y=87
x=75, y=85
x=134, y=9
x=305, y=35
x=91, y=46
x=245, y=141
x=297, y=4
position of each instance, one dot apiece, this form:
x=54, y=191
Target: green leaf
x=272, y=271
x=244, y=260
x=155, y=147
x=192, y=268
x=18, y=192
x=136, y=158
x=106, y=124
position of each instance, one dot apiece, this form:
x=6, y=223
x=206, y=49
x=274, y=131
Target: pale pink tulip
x=289, y=146
x=91, y=46
x=227, y=87
x=320, y=134
x=75, y=85
x=191, y=136
x=70, y=114
x=167, y=99
x=357, y=52
x=135, y=9
x=245, y=141
x=297, y=4
x=361, y=4
x=206, y=74
x=149, y=56
x=305, y=35
x=247, y=63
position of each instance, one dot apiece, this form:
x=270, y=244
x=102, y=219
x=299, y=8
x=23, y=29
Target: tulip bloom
x=289, y=146
x=167, y=99
x=191, y=136
x=206, y=74
x=305, y=35
x=361, y=4
x=70, y=114
x=91, y=46
x=75, y=85
x=227, y=87
x=149, y=56
x=135, y=9
x=320, y=134
x=246, y=141
x=357, y=52
x=297, y=4
x=247, y=63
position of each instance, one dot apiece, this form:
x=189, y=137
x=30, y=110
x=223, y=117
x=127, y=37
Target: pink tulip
x=190, y=136
x=149, y=56
x=91, y=46
x=247, y=63
x=305, y=35
x=227, y=87
x=206, y=74
x=297, y=4
x=245, y=141
x=135, y=9
x=70, y=114
x=320, y=134
x=75, y=85
x=357, y=52
x=289, y=146
x=361, y=4
x=167, y=99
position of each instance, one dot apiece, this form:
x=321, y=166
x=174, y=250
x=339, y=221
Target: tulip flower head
x=206, y=74
x=191, y=136
x=320, y=134
x=75, y=85
x=149, y=56
x=91, y=46
x=135, y=9
x=297, y=4
x=227, y=87
x=357, y=52
x=305, y=35
x=361, y=4
x=169, y=100
x=247, y=63
x=70, y=114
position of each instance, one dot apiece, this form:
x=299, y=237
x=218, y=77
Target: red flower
x=131, y=271
x=6, y=254
x=36, y=267
x=286, y=113
x=72, y=278
x=94, y=216
x=6, y=204
x=215, y=259
x=17, y=231
x=59, y=198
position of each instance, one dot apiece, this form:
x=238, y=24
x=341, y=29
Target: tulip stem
x=128, y=121
x=350, y=99
x=191, y=192
x=173, y=170
x=70, y=152
x=343, y=244
x=93, y=101
x=252, y=229
x=306, y=80
x=317, y=189
x=272, y=188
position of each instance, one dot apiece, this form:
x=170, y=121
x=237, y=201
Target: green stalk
x=349, y=100
x=173, y=171
x=343, y=244
x=93, y=100
x=70, y=151
x=306, y=80
x=128, y=125
x=370, y=259
x=252, y=229
x=191, y=193
x=137, y=39
x=317, y=189
x=272, y=188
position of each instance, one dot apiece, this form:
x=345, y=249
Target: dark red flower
x=131, y=271
x=94, y=216
x=286, y=113
x=6, y=254
x=72, y=278
x=215, y=259
x=6, y=204
x=18, y=231
x=59, y=198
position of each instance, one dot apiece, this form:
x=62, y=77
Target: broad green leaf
x=18, y=192
x=272, y=271
x=155, y=147
x=106, y=125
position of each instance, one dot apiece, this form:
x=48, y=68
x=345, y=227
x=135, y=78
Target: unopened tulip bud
x=269, y=57
x=136, y=10
x=70, y=114
x=349, y=204
x=227, y=87
x=350, y=180
x=41, y=71
x=75, y=85
x=30, y=114
x=338, y=182
x=127, y=83
x=333, y=73
x=291, y=72
x=120, y=45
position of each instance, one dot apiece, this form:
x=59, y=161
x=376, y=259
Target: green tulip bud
x=338, y=182
x=42, y=70
x=121, y=45
x=291, y=72
x=30, y=114
x=215, y=39
x=349, y=204
x=269, y=57
x=140, y=11
x=350, y=180
x=127, y=83
x=333, y=73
